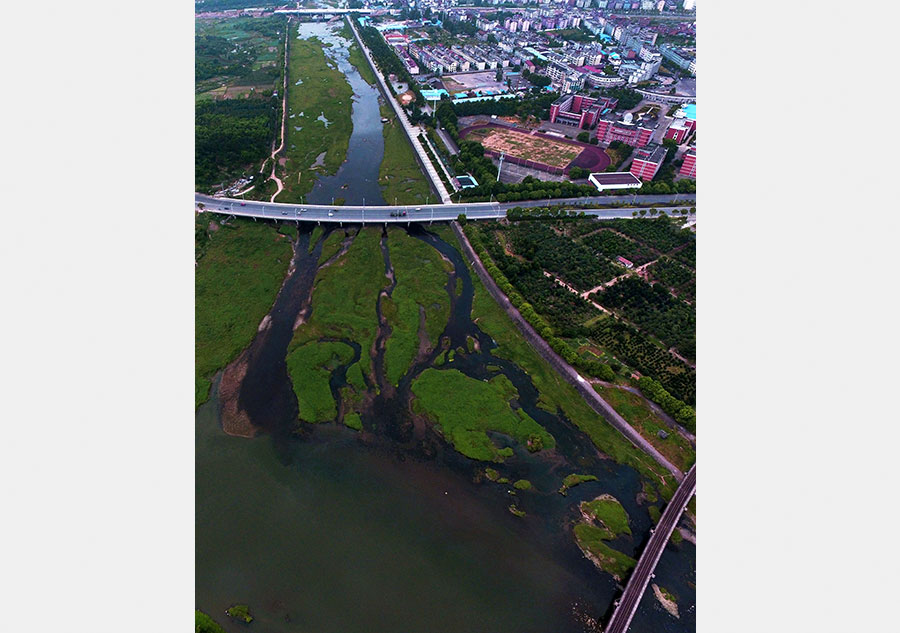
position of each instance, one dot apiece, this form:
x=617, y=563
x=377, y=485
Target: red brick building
x=628, y=133
x=689, y=166
x=647, y=161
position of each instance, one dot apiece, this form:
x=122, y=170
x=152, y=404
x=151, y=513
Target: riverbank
x=240, y=267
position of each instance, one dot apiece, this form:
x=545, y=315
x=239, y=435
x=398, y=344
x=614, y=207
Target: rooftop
x=615, y=178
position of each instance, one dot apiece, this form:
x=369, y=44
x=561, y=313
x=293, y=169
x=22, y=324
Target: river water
x=330, y=530
x=357, y=179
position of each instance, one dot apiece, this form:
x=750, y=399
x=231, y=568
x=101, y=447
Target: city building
x=689, y=166
x=647, y=161
x=614, y=180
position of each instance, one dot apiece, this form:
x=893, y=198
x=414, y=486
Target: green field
x=401, y=179
x=310, y=367
x=240, y=269
x=421, y=277
x=317, y=148
x=465, y=408
x=344, y=297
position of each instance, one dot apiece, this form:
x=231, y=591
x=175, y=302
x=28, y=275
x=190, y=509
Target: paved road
x=381, y=214
x=556, y=361
x=643, y=571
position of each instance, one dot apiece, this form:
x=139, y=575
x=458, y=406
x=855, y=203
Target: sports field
x=525, y=146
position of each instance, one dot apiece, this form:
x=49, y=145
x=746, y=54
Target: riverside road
x=356, y=214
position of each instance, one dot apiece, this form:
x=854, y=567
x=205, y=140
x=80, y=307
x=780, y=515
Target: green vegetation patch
x=317, y=147
x=344, y=297
x=466, y=408
x=573, y=480
x=314, y=237
x=240, y=612
x=239, y=273
x=310, y=367
x=590, y=539
x=353, y=421
x=205, y=624
x=421, y=276
x=401, y=179
x=522, y=484
x=609, y=512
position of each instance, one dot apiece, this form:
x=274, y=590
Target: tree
x=583, y=136
x=670, y=144
x=577, y=173
x=499, y=75
x=461, y=218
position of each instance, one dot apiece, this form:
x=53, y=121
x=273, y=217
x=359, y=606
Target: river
x=333, y=530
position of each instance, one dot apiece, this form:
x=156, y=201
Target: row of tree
x=682, y=413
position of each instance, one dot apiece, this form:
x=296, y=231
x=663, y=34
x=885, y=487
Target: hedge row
x=683, y=413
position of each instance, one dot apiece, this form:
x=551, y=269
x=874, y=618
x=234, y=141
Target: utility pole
x=500, y=166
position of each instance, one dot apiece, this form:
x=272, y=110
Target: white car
x=330, y=213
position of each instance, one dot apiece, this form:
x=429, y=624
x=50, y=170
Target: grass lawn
x=344, y=296
x=638, y=413
x=310, y=367
x=324, y=92
x=466, y=408
x=239, y=273
x=421, y=276
x=400, y=177
x=557, y=394
x=609, y=512
x=591, y=539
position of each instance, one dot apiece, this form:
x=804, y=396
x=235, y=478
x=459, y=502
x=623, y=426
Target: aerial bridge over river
x=403, y=214
x=627, y=604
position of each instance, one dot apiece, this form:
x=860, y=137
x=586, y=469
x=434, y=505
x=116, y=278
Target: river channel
x=331, y=530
